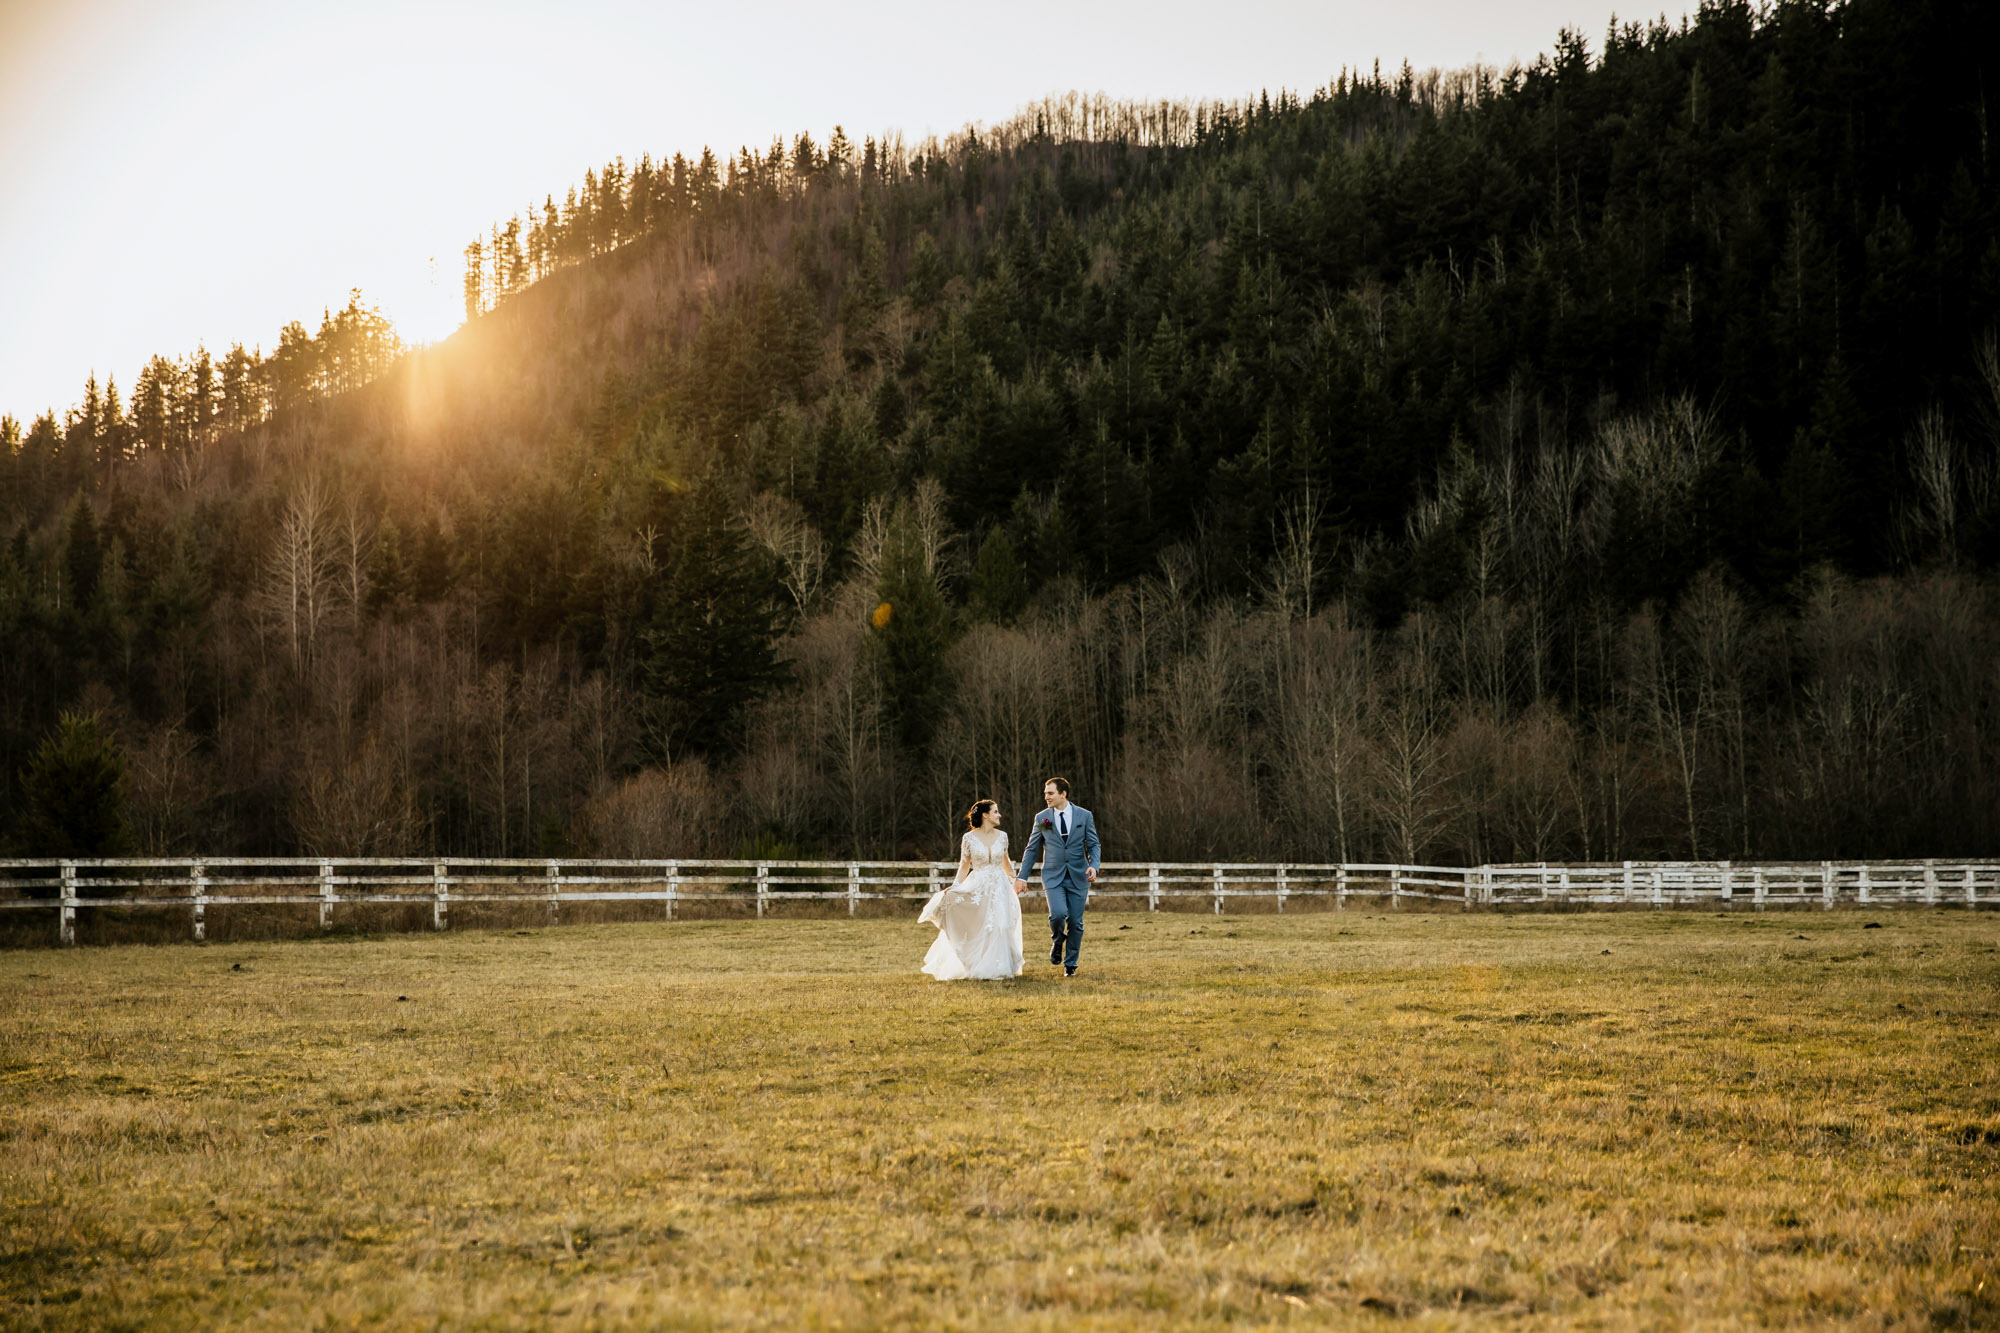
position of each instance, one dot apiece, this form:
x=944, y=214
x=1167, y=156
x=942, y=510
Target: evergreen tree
x=913, y=628
x=708, y=642
x=153, y=401
x=998, y=590
x=73, y=793
x=475, y=280
x=242, y=406
x=430, y=570
x=388, y=577
x=83, y=554
x=201, y=395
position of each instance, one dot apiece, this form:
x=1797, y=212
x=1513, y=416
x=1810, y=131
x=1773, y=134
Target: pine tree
x=999, y=588
x=388, y=578
x=83, y=554
x=512, y=260
x=242, y=405
x=430, y=570
x=709, y=638
x=152, y=404
x=73, y=793
x=114, y=440
x=201, y=395
x=913, y=628
x=475, y=280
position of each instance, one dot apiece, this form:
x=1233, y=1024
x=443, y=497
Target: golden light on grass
x=1257, y=1120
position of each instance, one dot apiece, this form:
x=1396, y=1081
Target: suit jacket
x=1063, y=860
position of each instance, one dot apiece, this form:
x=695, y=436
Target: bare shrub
x=168, y=787
x=1532, y=813
x=655, y=814
x=778, y=790
x=356, y=806
x=1190, y=804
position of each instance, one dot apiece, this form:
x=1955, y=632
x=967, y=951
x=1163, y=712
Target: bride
x=979, y=915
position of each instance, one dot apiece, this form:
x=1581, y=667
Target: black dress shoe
x=1069, y=972
x=1055, y=952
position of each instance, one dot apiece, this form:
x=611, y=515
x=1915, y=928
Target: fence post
x=853, y=886
x=1152, y=888
x=1971, y=891
x=1340, y=887
x=1470, y=877
x=763, y=886
x=66, y=927
x=1565, y=885
x=673, y=887
x=1728, y=885
x=1628, y=881
x=1826, y=885
x=1864, y=883
x=1930, y=882
x=1659, y=875
x=1757, y=886
x=325, y=895
x=1281, y=890
x=1396, y=888
x=1216, y=872
x=551, y=886
x=198, y=886
x=440, y=895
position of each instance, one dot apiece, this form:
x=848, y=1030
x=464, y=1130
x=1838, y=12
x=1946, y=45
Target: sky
x=183, y=172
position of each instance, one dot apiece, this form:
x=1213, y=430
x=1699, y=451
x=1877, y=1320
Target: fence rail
x=325, y=884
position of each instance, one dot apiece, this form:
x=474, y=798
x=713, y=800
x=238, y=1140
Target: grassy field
x=1610, y=1120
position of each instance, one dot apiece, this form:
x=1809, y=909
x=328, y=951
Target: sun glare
x=428, y=309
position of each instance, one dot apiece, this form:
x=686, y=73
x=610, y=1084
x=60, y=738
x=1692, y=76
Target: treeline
x=1596, y=459
x=181, y=407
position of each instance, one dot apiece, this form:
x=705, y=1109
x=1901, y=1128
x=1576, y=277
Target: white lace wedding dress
x=978, y=917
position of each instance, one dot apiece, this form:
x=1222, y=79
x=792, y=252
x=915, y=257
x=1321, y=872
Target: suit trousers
x=1067, y=900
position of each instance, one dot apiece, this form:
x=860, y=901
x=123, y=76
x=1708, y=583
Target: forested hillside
x=1593, y=460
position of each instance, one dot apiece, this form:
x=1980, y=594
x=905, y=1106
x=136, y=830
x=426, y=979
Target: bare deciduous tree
x=1300, y=564
x=356, y=805
x=780, y=527
x=1411, y=782
x=1324, y=701
x=296, y=588
x=656, y=813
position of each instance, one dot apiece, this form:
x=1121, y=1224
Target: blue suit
x=1064, y=861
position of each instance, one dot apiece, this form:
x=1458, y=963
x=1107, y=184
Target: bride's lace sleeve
x=964, y=858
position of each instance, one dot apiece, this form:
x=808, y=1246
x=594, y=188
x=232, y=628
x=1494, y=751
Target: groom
x=1065, y=842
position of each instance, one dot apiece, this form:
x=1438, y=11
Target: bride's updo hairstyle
x=976, y=816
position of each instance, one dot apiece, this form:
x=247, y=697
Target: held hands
x=1020, y=887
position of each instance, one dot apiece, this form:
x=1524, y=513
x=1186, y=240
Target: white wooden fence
x=195, y=885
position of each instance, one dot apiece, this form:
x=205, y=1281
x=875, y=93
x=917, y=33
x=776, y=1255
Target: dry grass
x=1327, y=1119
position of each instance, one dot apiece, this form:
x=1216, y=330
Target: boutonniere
x=1047, y=823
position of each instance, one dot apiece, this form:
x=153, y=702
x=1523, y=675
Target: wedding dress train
x=978, y=918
